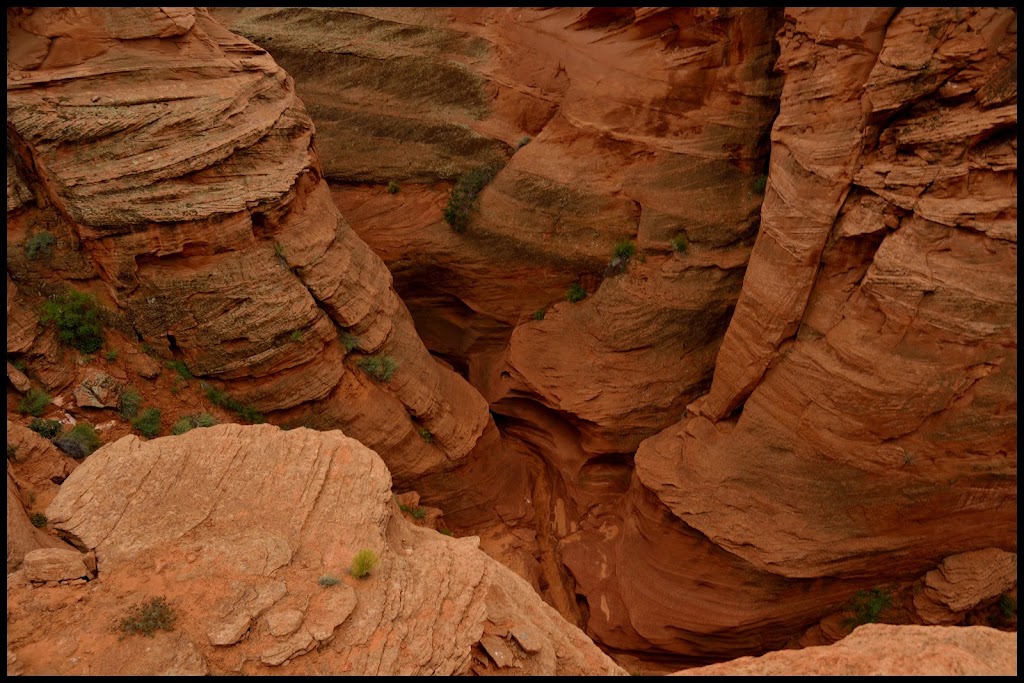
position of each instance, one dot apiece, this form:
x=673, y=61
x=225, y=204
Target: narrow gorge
x=700, y=323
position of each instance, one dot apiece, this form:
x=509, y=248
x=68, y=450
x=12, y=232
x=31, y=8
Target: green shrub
x=538, y=314
x=279, y=251
x=868, y=605
x=129, y=403
x=148, y=423
x=225, y=400
x=349, y=341
x=39, y=520
x=446, y=532
x=34, y=402
x=416, y=513
x=327, y=581
x=80, y=442
x=464, y=195
x=625, y=249
x=18, y=364
x=179, y=367
x=523, y=142
x=190, y=422
x=147, y=617
x=576, y=293
x=45, y=428
x=393, y=188
x=204, y=420
x=760, y=183
x=40, y=245
x=110, y=355
x=380, y=368
x=679, y=243
x=296, y=336
x=363, y=563
x=76, y=316
x=426, y=435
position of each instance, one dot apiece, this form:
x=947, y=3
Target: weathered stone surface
x=962, y=582
x=320, y=496
x=884, y=650
x=54, y=564
x=97, y=390
x=210, y=225
x=18, y=379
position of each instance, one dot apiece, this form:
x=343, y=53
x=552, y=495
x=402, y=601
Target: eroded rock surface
x=885, y=650
x=174, y=517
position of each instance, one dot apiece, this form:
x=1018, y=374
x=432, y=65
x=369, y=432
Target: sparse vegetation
x=225, y=400
x=279, y=252
x=76, y=315
x=523, y=142
x=576, y=293
x=624, y=251
x=40, y=245
x=679, y=243
x=426, y=435
x=380, y=368
x=12, y=452
x=393, y=188
x=45, y=428
x=39, y=520
x=149, y=616
x=415, y=512
x=110, y=355
x=148, y=423
x=867, y=606
x=538, y=314
x=363, y=563
x=760, y=183
x=18, y=364
x=463, y=198
x=190, y=422
x=129, y=403
x=349, y=341
x=34, y=402
x=80, y=442
x=179, y=367
x=327, y=581
x=296, y=336
x=446, y=532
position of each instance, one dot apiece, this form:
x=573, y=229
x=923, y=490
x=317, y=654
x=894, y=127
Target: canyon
x=725, y=343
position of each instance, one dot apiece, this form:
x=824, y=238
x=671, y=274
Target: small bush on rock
x=80, y=442
x=576, y=293
x=327, y=581
x=76, y=315
x=45, y=428
x=39, y=520
x=149, y=616
x=40, y=245
x=380, y=368
x=34, y=402
x=129, y=403
x=363, y=563
x=148, y=423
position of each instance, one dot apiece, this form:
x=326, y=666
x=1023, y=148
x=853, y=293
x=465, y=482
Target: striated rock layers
x=850, y=425
x=248, y=534
x=883, y=650
x=177, y=161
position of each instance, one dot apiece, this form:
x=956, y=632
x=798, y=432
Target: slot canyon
x=621, y=341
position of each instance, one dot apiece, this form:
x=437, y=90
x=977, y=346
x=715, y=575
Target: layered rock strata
x=173, y=519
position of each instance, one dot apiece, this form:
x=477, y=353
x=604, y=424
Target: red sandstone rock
x=883, y=650
x=176, y=514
